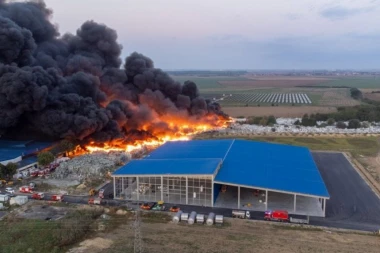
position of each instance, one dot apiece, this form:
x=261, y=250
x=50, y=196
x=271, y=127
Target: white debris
x=286, y=125
x=90, y=165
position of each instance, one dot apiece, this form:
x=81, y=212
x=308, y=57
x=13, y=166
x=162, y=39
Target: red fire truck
x=94, y=201
x=38, y=195
x=276, y=215
x=26, y=189
x=56, y=197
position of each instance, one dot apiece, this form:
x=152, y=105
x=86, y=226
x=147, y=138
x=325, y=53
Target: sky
x=237, y=34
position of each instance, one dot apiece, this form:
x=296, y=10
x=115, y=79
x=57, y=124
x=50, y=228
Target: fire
x=178, y=131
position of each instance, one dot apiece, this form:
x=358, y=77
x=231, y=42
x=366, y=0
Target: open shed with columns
x=234, y=174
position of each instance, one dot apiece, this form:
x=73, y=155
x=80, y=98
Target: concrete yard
x=352, y=202
x=305, y=205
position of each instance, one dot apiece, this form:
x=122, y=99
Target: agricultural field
x=360, y=83
x=337, y=97
x=277, y=98
x=277, y=111
x=257, y=94
x=206, y=83
x=371, y=96
x=274, y=82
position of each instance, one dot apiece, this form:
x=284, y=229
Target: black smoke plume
x=73, y=86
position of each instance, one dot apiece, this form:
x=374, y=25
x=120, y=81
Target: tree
x=271, y=120
x=45, y=158
x=308, y=121
x=330, y=121
x=263, y=121
x=356, y=93
x=354, y=123
x=341, y=125
x=7, y=171
x=3, y=171
x=11, y=168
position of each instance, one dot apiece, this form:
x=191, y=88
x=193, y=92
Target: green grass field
x=353, y=82
x=365, y=146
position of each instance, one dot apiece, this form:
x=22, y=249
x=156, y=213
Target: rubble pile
x=90, y=166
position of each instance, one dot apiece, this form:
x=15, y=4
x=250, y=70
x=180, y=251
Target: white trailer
x=241, y=214
x=299, y=221
x=4, y=198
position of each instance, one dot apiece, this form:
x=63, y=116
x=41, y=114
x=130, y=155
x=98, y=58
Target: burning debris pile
x=91, y=166
x=73, y=86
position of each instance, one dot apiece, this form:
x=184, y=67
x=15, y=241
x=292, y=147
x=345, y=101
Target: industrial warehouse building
x=194, y=173
x=23, y=153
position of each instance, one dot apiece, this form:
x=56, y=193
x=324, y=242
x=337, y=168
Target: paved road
x=352, y=202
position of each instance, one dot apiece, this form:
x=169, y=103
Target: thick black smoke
x=72, y=86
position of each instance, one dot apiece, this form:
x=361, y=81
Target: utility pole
x=138, y=246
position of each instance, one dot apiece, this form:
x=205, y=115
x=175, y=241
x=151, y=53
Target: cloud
x=339, y=12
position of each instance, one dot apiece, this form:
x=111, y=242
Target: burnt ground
x=352, y=202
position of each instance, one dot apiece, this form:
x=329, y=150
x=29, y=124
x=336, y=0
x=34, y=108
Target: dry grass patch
x=277, y=111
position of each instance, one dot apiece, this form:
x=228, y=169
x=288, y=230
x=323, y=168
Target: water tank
x=210, y=219
x=192, y=217
x=218, y=219
x=200, y=218
x=184, y=216
x=177, y=217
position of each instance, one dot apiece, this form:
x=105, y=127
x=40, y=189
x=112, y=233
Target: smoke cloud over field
x=76, y=85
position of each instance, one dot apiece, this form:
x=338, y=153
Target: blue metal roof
x=169, y=167
x=276, y=167
x=13, y=149
x=272, y=166
x=27, y=161
x=191, y=149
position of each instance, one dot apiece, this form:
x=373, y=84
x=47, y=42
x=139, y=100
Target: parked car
x=174, y=209
x=147, y=206
x=9, y=190
x=101, y=193
x=159, y=206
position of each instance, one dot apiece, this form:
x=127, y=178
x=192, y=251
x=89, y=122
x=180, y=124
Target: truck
x=56, y=197
x=241, y=214
x=26, y=189
x=94, y=201
x=276, y=215
x=38, y=195
x=34, y=173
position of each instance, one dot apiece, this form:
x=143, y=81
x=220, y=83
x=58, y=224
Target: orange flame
x=179, y=130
